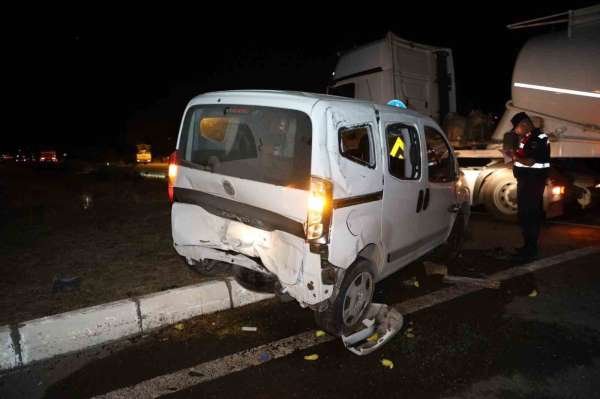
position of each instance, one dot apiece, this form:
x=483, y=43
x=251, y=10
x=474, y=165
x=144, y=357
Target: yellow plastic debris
x=533, y=293
x=179, y=326
x=410, y=335
x=387, y=363
x=373, y=338
x=314, y=356
x=319, y=333
x=417, y=283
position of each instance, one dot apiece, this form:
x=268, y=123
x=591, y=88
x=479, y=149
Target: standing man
x=531, y=165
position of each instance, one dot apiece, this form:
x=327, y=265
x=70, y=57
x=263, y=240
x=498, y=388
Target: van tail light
x=172, y=174
x=320, y=201
x=558, y=190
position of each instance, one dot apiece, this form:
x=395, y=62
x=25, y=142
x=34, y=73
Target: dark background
x=96, y=81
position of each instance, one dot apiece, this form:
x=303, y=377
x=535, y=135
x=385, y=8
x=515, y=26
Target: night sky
x=105, y=79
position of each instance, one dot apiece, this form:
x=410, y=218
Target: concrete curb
x=47, y=337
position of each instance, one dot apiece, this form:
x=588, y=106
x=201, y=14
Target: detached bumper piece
x=381, y=323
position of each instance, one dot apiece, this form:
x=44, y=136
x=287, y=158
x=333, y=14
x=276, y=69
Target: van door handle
x=426, y=200
x=420, y=201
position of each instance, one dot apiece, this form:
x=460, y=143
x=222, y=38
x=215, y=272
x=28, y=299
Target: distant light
x=333, y=73
x=397, y=103
x=558, y=90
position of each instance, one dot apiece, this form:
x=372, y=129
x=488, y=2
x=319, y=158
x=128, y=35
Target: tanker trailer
x=556, y=80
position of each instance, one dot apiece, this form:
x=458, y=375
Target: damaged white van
x=324, y=195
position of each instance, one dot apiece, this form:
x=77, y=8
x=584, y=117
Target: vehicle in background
x=322, y=195
x=25, y=157
x=144, y=153
x=48, y=156
x=556, y=80
x=419, y=75
x=7, y=157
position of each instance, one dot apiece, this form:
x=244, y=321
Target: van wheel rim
x=357, y=298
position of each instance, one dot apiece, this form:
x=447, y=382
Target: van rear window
x=269, y=145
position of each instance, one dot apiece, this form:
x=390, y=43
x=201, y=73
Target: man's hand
x=524, y=161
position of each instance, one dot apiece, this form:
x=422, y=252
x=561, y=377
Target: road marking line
x=214, y=369
x=217, y=368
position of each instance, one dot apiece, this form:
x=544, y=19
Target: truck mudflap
x=381, y=323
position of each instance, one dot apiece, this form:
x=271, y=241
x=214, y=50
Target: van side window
x=440, y=162
x=355, y=144
x=404, y=156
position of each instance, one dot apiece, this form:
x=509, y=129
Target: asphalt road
x=537, y=336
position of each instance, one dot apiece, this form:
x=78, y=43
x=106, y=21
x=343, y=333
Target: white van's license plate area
x=198, y=234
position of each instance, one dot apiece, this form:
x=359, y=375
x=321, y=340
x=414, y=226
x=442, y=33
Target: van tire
x=208, y=267
x=450, y=250
x=255, y=281
x=332, y=318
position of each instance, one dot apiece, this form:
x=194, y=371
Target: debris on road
x=435, y=269
x=264, y=357
x=381, y=323
x=533, y=293
x=387, y=363
x=179, y=326
x=249, y=328
x=319, y=333
x=312, y=357
x=411, y=282
x=373, y=338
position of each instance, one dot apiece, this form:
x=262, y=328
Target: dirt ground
x=108, y=227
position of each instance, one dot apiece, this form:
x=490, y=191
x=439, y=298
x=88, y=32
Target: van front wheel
x=346, y=312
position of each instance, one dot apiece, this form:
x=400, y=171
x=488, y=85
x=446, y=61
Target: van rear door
x=247, y=163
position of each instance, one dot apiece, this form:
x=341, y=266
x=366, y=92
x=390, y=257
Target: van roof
x=303, y=99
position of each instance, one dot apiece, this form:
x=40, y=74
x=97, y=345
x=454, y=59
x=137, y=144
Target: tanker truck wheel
x=500, y=197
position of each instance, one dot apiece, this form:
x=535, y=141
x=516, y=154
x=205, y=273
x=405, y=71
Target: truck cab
x=325, y=195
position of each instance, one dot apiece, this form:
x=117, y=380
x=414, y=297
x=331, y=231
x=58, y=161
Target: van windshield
x=269, y=145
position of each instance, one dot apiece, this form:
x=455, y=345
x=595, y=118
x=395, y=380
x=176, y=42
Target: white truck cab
x=326, y=195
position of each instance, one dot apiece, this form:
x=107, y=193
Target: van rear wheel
x=208, y=267
x=345, y=314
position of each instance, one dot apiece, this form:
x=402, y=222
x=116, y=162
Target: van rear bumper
x=198, y=234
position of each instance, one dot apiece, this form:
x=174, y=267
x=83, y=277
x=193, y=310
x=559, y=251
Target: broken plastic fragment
x=319, y=333
x=411, y=282
x=387, y=363
x=373, y=338
x=409, y=335
x=251, y=329
x=533, y=293
x=179, y=326
x=381, y=324
x=314, y=356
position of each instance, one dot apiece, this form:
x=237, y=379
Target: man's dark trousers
x=530, y=202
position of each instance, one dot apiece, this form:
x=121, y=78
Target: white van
x=326, y=195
